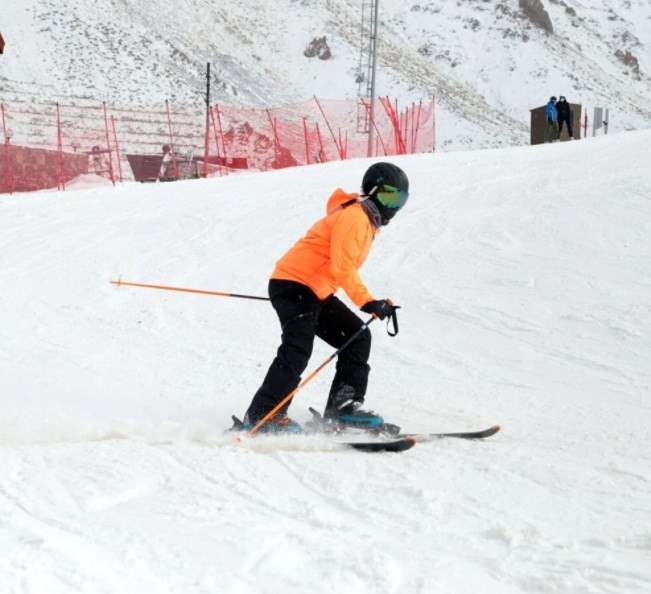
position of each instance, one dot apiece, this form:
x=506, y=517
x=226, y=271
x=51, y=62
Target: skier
x=302, y=291
x=564, y=116
x=552, y=121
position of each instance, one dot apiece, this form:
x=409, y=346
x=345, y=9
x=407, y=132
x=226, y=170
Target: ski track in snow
x=526, y=301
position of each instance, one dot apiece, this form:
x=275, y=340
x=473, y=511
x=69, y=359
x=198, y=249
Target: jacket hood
x=338, y=199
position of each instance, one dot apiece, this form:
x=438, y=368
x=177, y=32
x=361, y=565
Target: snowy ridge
x=526, y=301
x=486, y=63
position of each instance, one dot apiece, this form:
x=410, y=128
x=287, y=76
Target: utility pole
x=374, y=64
x=206, y=145
x=367, y=70
x=207, y=95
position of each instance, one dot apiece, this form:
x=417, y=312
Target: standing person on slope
x=564, y=116
x=302, y=291
x=552, y=121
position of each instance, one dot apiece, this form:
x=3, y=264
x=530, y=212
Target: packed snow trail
x=523, y=276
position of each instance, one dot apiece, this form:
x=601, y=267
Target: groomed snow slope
x=524, y=277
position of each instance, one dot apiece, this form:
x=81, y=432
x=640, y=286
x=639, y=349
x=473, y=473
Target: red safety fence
x=48, y=146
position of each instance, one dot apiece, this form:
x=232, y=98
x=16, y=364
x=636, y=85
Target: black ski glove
x=380, y=308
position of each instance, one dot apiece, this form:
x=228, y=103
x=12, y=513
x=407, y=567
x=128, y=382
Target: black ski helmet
x=383, y=174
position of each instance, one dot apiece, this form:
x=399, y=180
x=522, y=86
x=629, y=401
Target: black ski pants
x=567, y=120
x=303, y=316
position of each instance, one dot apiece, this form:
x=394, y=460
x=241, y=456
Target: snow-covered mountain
x=487, y=62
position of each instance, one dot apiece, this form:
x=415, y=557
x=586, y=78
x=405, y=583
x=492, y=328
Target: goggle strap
x=347, y=203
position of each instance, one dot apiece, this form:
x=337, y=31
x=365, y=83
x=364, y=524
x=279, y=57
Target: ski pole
x=291, y=395
x=120, y=282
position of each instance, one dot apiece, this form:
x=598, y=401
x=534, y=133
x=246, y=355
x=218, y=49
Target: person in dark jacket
x=564, y=116
x=552, y=121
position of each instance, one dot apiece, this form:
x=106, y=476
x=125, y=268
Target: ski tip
x=492, y=430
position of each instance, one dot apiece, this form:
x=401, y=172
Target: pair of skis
x=395, y=441
x=390, y=437
x=406, y=441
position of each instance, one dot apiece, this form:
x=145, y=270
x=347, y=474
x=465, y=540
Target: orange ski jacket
x=332, y=252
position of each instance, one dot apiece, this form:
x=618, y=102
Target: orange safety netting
x=47, y=146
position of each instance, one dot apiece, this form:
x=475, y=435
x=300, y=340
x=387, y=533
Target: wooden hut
x=539, y=124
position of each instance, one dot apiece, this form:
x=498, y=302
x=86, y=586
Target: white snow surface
x=524, y=276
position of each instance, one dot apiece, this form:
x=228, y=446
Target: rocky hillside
x=487, y=62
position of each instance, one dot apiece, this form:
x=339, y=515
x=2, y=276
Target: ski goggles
x=391, y=197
